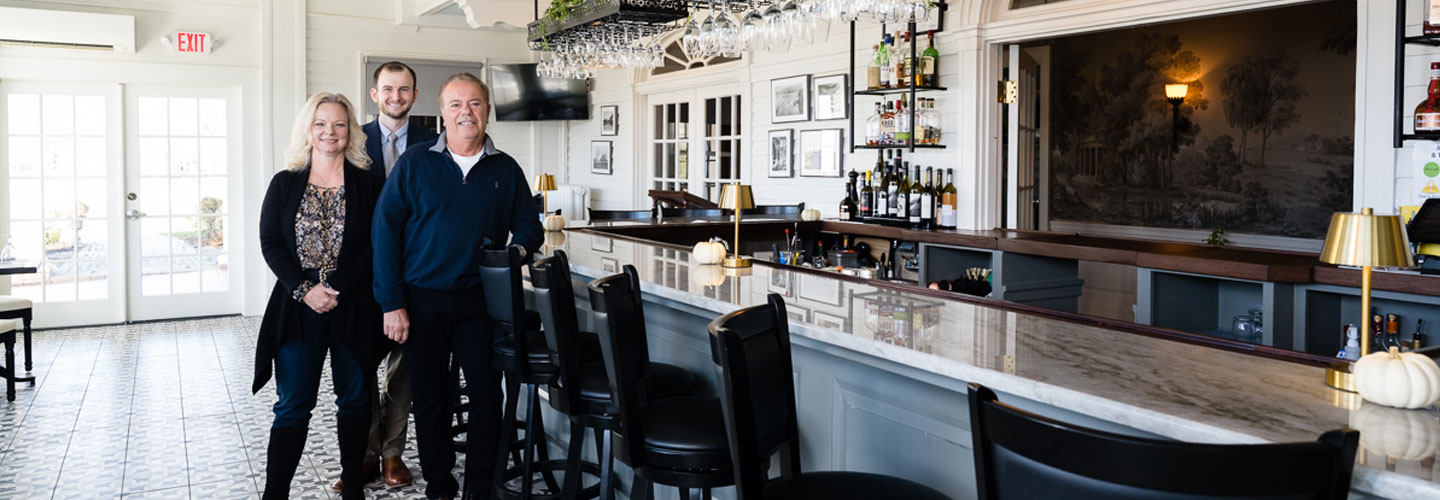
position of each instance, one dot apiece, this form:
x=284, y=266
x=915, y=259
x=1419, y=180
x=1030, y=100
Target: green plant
x=1217, y=238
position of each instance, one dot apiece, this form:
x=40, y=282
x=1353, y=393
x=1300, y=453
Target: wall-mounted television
x=522, y=95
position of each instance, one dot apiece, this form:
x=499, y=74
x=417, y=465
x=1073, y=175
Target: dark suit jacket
x=417, y=135
x=357, y=319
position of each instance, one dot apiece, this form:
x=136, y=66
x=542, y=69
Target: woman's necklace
x=329, y=181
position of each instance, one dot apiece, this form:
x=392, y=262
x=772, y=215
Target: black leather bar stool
x=522, y=358
x=677, y=441
x=576, y=354
x=1019, y=454
x=751, y=348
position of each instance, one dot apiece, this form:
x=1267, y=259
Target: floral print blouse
x=319, y=229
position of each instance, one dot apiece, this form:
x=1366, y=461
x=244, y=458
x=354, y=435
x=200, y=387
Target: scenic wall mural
x=1264, y=141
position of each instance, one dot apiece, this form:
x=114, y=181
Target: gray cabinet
x=1208, y=305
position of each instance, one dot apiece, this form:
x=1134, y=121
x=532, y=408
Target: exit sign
x=189, y=42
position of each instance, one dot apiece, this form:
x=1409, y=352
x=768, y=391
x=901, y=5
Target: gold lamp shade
x=736, y=196
x=544, y=182
x=1366, y=240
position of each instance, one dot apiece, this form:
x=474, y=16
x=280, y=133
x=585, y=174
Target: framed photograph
x=782, y=156
x=779, y=282
x=600, y=158
x=609, y=265
x=820, y=152
x=829, y=93
x=824, y=319
x=796, y=313
x=820, y=289
x=603, y=245
x=610, y=119
x=790, y=99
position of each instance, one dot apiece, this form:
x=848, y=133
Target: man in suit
x=385, y=139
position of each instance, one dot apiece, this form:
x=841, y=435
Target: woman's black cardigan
x=357, y=317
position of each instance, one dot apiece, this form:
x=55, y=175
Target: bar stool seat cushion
x=666, y=381
x=13, y=303
x=686, y=433
x=845, y=486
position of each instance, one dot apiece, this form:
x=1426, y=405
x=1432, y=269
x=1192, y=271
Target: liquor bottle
x=872, y=127
x=887, y=124
x=1417, y=339
x=872, y=72
x=897, y=190
x=897, y=60
x=849, y=207
x=883, y=60
x=1392, y=331
x=867, y=197
x=903, y=122
x=927, y=200
x=930, y=64
x=882, y=194
x=1432, y=18
x=1427, y=114
x=903, y=206
x=931, y=122
x=897, y=160
x=917, y=200
x=949, y=201
x=902, y=63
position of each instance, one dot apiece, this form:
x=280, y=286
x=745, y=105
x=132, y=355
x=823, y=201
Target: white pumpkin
x=708, y=252
x=1401, y=380
x=809, y=214
x=707, y=275
x=1399, y=434
x=554, y=223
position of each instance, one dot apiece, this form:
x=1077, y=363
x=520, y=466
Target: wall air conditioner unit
x=65, y=29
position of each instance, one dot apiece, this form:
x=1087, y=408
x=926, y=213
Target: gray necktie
x=390, y=154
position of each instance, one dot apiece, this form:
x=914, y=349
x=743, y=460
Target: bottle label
x=844, y=211
x=872, y=77
x=1427, y=122
x=915, y=207
x=927, y=207
x=927, y=65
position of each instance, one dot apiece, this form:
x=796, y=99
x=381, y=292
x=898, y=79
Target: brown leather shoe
x=369, y=470
x=396, y=474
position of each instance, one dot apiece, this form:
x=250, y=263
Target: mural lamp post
x=1175, y=93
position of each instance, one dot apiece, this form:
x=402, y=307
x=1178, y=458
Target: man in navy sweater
x=440, y=204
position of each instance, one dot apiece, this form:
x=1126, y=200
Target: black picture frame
x=780, y=153
x=790, y=99
x=609, y=120
x=602, y=158
x=825, y=95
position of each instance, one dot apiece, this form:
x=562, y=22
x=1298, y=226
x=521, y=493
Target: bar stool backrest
x=1019, y=454
x=620, y=324
x=555, y=299
x=751, y=349
x=620, y=214
x=504, y=300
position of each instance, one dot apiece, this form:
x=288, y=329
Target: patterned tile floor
x=158, y=410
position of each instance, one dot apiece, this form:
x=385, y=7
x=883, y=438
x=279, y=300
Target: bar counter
x=882, y=372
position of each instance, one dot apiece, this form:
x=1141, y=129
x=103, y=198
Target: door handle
x=134, y=214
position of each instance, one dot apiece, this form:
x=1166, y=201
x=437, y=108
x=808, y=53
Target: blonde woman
x=315, y=236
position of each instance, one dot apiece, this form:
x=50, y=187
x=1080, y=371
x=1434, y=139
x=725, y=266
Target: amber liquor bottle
x=1427, y=113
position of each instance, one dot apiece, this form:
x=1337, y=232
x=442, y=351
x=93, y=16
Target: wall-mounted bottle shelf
x=897, y=90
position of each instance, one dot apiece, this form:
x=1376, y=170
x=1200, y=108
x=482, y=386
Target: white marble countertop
x=1183, y=391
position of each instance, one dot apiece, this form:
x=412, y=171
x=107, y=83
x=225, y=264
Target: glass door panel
x=61, y=164
x=184, y=141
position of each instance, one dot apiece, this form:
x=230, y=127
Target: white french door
x=64, y=171
x=183, y=148
x=114, y=243
x=1027, y=154
x=706, y=120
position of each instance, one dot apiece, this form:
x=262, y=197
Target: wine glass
x=708, y=47
x=690, y=40
x=727, y=34
x=776, y=36
x=752, y=30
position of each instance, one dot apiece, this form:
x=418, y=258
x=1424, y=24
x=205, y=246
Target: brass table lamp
x=1366, y=240
x=544, y=183
x=736, y=196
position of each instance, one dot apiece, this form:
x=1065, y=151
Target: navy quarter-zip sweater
x=431, y=221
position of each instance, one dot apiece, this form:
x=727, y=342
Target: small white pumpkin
x=554, y=222
x=809, y=214
x=1399, y=434
x=708, y=252
x=707, y=275
x=1401, y=380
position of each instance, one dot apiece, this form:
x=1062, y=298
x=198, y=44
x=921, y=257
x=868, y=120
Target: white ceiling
x=480, y=13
